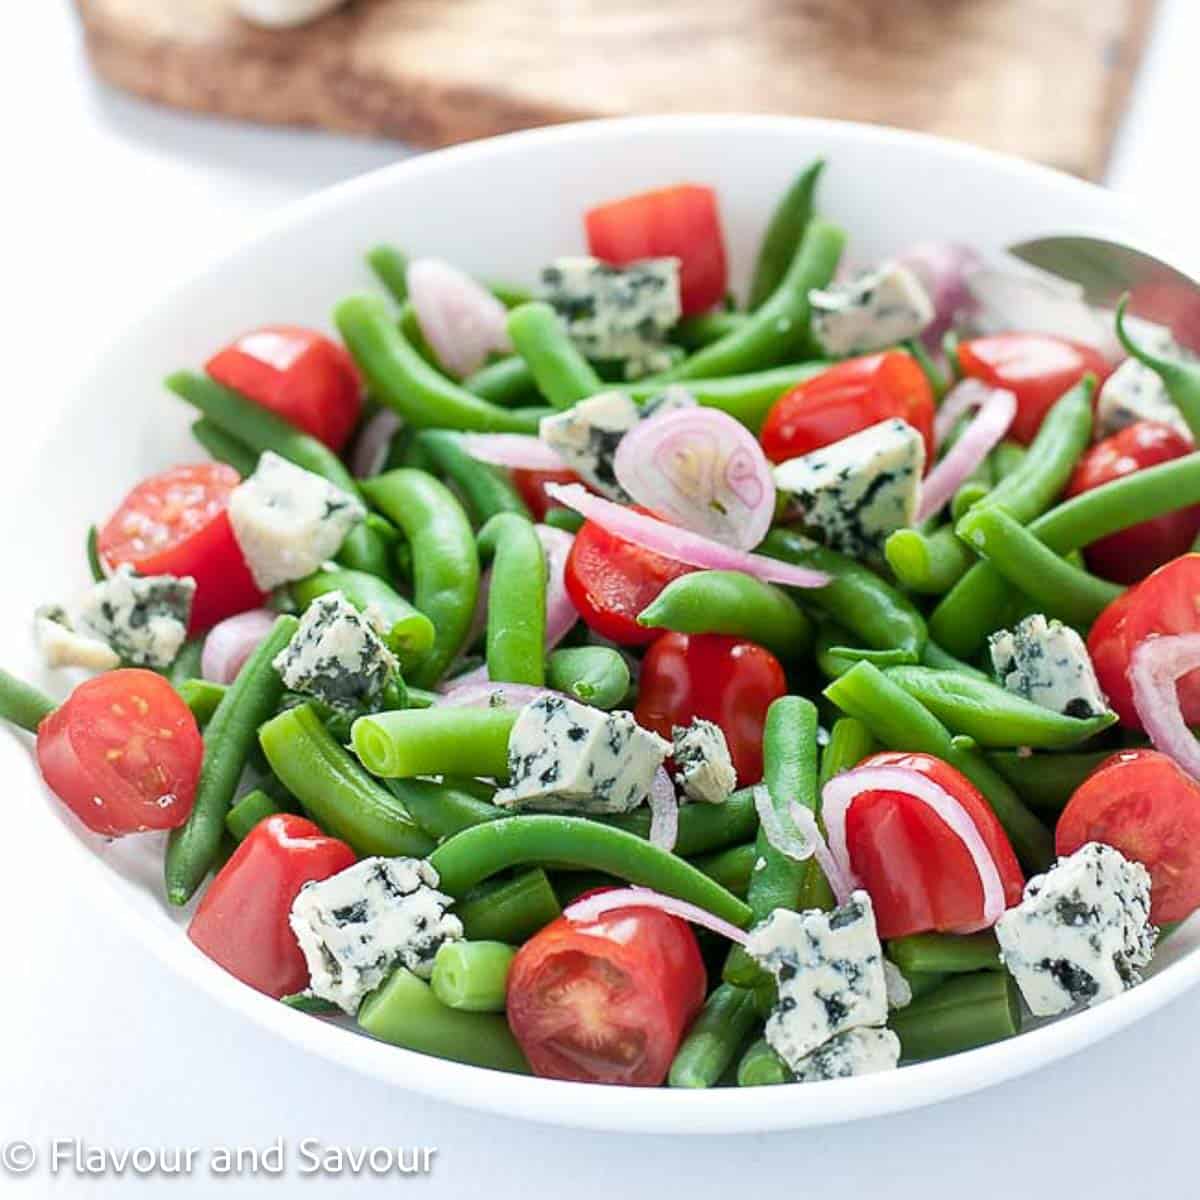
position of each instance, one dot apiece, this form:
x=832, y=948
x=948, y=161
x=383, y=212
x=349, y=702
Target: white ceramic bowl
x=503, y=207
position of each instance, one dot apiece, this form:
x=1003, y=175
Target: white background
x=105, y=201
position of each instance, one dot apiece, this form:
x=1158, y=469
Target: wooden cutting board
x=1046, y=79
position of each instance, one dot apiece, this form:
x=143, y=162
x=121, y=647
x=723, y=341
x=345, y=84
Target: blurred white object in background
x=279, y=14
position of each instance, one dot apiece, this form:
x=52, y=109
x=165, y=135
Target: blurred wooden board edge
x=308, y=78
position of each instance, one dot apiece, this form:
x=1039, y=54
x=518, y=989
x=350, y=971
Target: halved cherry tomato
x=611, y=580
x=1163, y=603
x=1144, y=804
x=176, y=523
x=918, y=873
x=847, y=398
x=607, y=1001
x=1133, y=553
x=1036, y=367
x=722, y=679
x=242, y=921
x=532, y=487
x=676, y=222
x=123, y=753
x=299, y=374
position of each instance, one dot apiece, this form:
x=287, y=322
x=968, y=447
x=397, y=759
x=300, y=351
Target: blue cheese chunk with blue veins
x=1081, y=933
x=857, y=1052
x=870, y=312
x=617, y=313
x=142, y=618
x=1047, y=662
x=829, y=968
x=288, y=521
x=703, y=765
x=569, y=757
x=62, y=645
x=357, y=926
x=1135, y=392
x=336, y=655
x=853, y=493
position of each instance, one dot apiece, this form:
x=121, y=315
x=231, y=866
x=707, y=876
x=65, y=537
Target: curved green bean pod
x=1047, y=781
x=929, y=563
x=783, y=235
x=595, y=675
x=510, y=911
x=1181, y=379
x=945, y=953
x=964, y=1012
x=702, y=827
x=730, y=868
x=934, y=656
x=186, y=664
x=835, y=656
x=224, y=447
x=22, y=704
x=486, y=489
x=442, y=809
x=714, y=1038
x=516, y=610
x=390, y=265
x=507, y=382
x=694, y=333
x=95, y=566
x=560, y=371
x=434, y=741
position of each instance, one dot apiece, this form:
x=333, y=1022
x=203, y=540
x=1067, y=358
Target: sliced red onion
x=230, y=642
x=520, y=450
x=561, y=613
x=942, y=269
x=1155, y=667
x=373, y=442
x=679, y=545
x=701, y=469
x=482, y=694
x=841, y=792
x=787, y=842
x=964, y=397
x=664, y=811
x=805, y=822
x=460, y=319
x=996, y=412
x=583, y=911
x=478, y=675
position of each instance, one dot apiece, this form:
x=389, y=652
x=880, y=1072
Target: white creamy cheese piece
x=703, y=765
x=1047, y=662
x=288, y=521
x=829, y=968
x=336, y=655
x=856, y=1052
x=282, y=14
x=143, y=618
x=899, y=990
x=62, y=646
x=569, y=757
x=358, y=925
x=857, y=491
x=1082, y=931
x=868, y=313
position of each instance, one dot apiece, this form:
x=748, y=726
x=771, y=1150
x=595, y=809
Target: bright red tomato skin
x=1163, y=603
x=847, y=398
x=1036, y=367
x=532, y=488
x=677, y=222
x=722, y=679
x=242, y=920
x=1130, y=555
x=298, y=374
x=1145, y=805
x=607, y=1001
x=123, y=753
x=917, y=871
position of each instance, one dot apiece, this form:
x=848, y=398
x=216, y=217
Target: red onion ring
x=942, y=268
x=479, y=693
x=1155, y=667
x=786, y=841
x=460, y=319
x=664, y=811
x=806, y=823
x=584, y=911
x=561, y=613
x=374, y=440
x=230, y=642
x=519, y=450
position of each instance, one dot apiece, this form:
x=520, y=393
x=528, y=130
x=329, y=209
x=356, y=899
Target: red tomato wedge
x=176, y=523
x=1165, y=602
x=676, y=222
x=916, y=869
x=1037, y=367
x=532, y=488
x=606, y=1001
x=123, y=753
x=722, y=679
x=847, y=398
x=299, y=374
x=1142, y=803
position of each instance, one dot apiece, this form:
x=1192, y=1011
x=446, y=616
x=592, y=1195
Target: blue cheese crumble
x=1047, y=662
x=856, y=1052
x=336, y=655
x=871, y=312
x=1082, y=931
x=703, y=765
x=569, y=757
x=143, y=619
x=357, y=926
x=62, y=645
x=288, y=521
x=857, y=491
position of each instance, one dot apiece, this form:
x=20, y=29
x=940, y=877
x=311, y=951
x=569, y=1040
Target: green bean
x=731, y=602
x=390, y=265
x=306, y=1002
x=511, y=295
x=202, y=696
x=850, y=741
x=445, y=561
x=965, y=1012
x=694, y=333
x=23, y=704
x=785, y=230
x=1002, y=461
x=442, y=809
x=334, y=790
x=401, y=379
x=1047, y=781
x=901, y=722
x=471, y=976
x=939, y=382
x=761, y=1066
x=778, y=331
x=920, y=983
x=475, y=854
x=991, y=714
x=516, y=609
x=507, y=382
x=929, y=563
x=714, y=1038
x=95, y=566
x=486, y=489
x=702, y=827
x=253, y=807
x=1181, y=379
x=563, y=518
x=730, y=868
x=834, y=656
x=510, y=911
x=405, y=1012
x=561, y=372
x=934, y=656
x=187, y=663
x=595, y=675
x=228, y=740
x=224, y=447
x=433, y=741
x=946, y=953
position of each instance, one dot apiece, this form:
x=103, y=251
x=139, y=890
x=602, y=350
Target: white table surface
x=106, y=200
